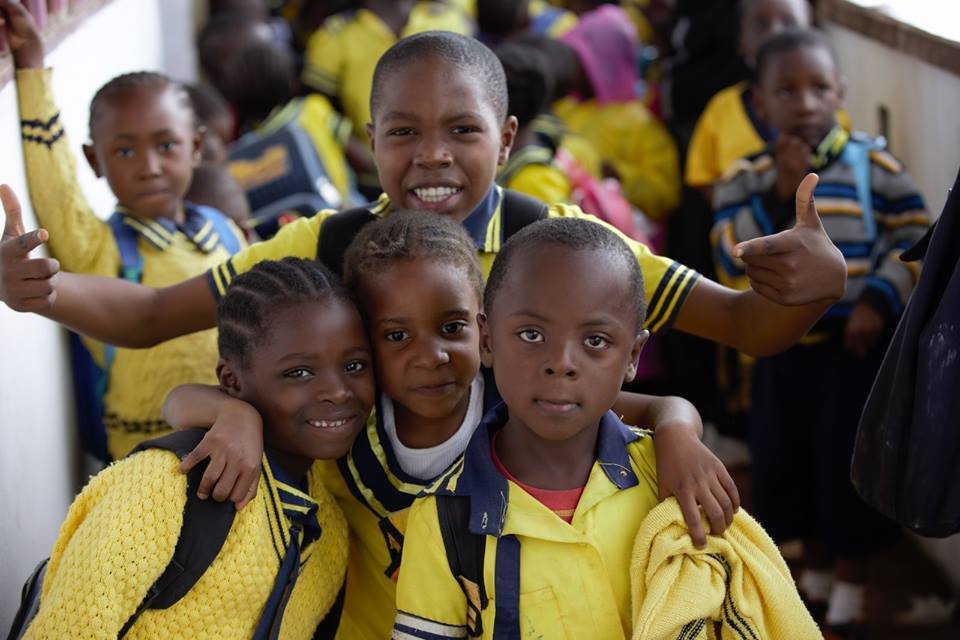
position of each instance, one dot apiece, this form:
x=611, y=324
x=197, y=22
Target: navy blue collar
x=479, y=219
x=488, y=488
x=160, y=232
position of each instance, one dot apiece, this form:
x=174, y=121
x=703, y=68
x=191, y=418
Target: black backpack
x=206, y=524
x=906, y=461
x=339, y=229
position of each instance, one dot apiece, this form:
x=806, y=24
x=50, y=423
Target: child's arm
x=234, y=443
x=81, y=241
x=686, y=468
x=795, y=276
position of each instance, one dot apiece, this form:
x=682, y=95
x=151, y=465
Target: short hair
x=529, y=80
x=790, y=40
x=136, y=81
x=407, y=235
x=464, y=53
x=562, y=60
x=208, y=103
x=575, y=234
x=221, y=38
x=213, y=186
x=254, y=297
x=259, y=78
x=500, y=18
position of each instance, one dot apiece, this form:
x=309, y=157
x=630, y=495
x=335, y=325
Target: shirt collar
x=830, y=147
x=488, y=489
x=482, y=225
x=160, y=232
x=297, y=505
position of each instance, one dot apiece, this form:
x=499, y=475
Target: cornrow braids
x=136, y=81
x=407, y=235
x=244, y=313
x=577, y=235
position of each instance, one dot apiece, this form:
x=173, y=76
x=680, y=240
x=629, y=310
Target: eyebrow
x=400, y=115
x=303, y=355
x=601, y=321
x=463, y=115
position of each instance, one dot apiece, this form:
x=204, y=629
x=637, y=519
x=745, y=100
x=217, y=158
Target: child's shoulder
x=725, y=102
x=749, y=166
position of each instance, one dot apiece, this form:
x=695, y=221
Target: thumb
x=807, y=215
x=13, y=220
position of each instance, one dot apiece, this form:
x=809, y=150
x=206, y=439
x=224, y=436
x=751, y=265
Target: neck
x=295, y=466
x=418, y=432
x=547, y=464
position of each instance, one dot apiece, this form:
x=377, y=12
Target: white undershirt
x=428, y=463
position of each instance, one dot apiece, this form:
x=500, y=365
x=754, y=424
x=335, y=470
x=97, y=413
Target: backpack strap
x=856, y=154
x=206, y=524
x=336, y=234
x=465, y=551
x=221, y=225
x=131, y=261
x=519, y=210
x=29, y=601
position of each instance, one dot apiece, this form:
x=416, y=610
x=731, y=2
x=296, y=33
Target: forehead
x=563, y=283
x=418, y=286
x=802, y=62
x=321, y=327
x=140, y=110
x=431, y=86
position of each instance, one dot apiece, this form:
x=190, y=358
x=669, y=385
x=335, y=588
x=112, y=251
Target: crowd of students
x=417, y=403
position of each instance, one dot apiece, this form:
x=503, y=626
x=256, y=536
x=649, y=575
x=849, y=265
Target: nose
x=807, y=101
x=433, y=153
x=151, y=163
x=561, y=360
x=332, y=389
x=432, y=354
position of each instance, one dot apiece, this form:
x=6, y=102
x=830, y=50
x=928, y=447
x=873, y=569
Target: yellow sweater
x=120, y=534
x=738, y=580
x=83, y=243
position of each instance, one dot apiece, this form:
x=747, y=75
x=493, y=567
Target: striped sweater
x=869, y=206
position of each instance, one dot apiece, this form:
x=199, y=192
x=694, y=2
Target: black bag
x=206, y=524
x=906, y=461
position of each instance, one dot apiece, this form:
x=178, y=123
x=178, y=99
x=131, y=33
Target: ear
x=486, y=350
x=91, y=155
x=371, y=134
x=229, y=379
x=199, y=136
x=638, y=343
x=508, y=133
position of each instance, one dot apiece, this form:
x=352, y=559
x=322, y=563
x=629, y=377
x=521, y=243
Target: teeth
x=435, y=194
x=328, y=424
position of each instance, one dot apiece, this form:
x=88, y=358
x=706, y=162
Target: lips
x=333, y=423
x=435, y=196
x=438, y=389
x=557, y=406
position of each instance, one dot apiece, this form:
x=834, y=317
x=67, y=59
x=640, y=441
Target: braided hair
x=244, y=313
x=137, y=81
x=407, y=235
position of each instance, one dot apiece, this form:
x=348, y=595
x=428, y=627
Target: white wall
x=39, y=469
x=922, y=101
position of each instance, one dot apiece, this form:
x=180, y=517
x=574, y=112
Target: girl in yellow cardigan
x=293, y=346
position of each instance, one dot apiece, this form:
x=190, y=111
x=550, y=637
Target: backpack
x=905, y=459
x=340, y=229
x=90, y=380
x=283, y=172
x=206, y=524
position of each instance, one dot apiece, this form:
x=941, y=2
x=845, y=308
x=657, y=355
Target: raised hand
x=800, y=265
x=26, y=284
x=22, y=35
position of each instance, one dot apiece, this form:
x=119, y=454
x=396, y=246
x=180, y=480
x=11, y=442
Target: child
x=553, y=482
x=145, y=143
x=872, y=209
x=213, y=186
x=214, y=114
x=419, y=283
x=502, y=20
x=292, y=345
x=729, y=128
x=440, y=129
x=635, y=146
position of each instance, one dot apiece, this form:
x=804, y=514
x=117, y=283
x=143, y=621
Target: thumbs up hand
x=26, y=284
x=798, y=266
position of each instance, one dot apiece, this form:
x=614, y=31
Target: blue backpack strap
x=221, y=225
x=856, y=154
x=131, y=261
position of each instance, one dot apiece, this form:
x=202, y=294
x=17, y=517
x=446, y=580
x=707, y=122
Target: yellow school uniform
x=544, y=578
x=548, y=20
x=532, y=171
x=342, y=54
x=83, y=243
x=635, y=144
x=120, y=534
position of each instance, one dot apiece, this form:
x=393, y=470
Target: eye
x=784, y=93
x=397, y=335
x=400, y=131
x=453, y=328
x=596, y=342
x=167, y=147
x=298, y=372
x=531, y=336
x=123, y=152
x=465, y=129
x=356, y=366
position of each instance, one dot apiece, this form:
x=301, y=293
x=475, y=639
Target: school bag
x=340, y=229
x=283, y=172
x=906, y=459
x=90, y=380
x=206, y=524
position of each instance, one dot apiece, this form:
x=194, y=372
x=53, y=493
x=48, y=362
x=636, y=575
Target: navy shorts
x=806, y=404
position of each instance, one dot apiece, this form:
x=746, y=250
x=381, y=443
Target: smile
x=436, y=195
x=331, y=424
